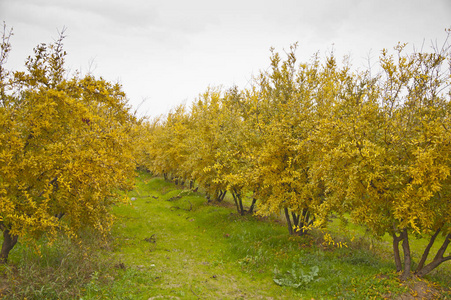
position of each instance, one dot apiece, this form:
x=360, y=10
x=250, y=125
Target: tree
x=168, y=144
x=291, y=97
x=387, y=153
x=66, y=148
x=235, y=146
x=207, y=126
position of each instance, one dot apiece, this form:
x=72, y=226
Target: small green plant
x=92, y=287
x=296, y=278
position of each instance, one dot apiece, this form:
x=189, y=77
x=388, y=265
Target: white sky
x=168, y=52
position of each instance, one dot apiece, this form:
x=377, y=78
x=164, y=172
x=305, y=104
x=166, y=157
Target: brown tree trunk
x=238, y=202
x=235, y=198
x=59, y=215
x=241, y=205
x=302, y=220
x=9, y=241
x=221, y=195
x=287, y=216
x=427, y=250
x=438, y=259
x=396, y=240
x=251, y=209
x=295, y=219
x=407, y=259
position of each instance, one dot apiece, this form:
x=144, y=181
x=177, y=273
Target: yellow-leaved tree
x=206, y=129
x=66, y=148
x=234, y=146
x=291, y=100
x=387, y=153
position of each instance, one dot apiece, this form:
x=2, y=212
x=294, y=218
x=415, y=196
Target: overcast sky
x=167, y=52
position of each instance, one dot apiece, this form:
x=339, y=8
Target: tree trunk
x=9, y=241
x=427, y=250
x=287, y=216
x=396, y=240
x=236, y=202
x=302, y=220
x=251, y=209
x=59, y=215
x=241, y=205
x=295, y=219
x=438, y=259
x=407, y=258
x=306, y=219
x=221, y=195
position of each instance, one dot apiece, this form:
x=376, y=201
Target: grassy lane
x=170, y=244
x=181, y=247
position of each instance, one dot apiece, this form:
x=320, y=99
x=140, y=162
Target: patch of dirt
x=163, y=297
x=419, y=289
x=3, y=287
x=5, y=281
x=220, y=203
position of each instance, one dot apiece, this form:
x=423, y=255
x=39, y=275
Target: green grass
x=382, y=247
x=171, y=244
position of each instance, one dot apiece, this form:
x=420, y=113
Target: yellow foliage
x=314, y=138
x=329, y=241
x=66, y=148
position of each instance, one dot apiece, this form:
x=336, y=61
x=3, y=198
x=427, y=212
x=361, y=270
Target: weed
x=295, y=278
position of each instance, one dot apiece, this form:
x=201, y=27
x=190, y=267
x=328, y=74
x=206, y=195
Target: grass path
x=179, y=248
